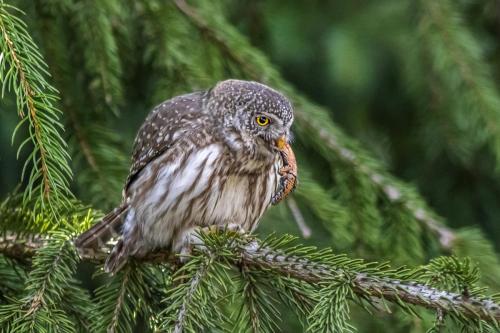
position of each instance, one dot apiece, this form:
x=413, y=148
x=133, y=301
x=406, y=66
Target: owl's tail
x=125, y=248
x=117, y=258
x=104, y=230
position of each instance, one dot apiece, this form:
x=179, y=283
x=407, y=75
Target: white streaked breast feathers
x=197, y=188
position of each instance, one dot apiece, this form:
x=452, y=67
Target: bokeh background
x=413, y=84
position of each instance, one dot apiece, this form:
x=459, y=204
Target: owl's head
x=259, y=112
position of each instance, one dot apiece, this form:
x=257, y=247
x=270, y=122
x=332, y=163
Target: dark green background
x=353, y=57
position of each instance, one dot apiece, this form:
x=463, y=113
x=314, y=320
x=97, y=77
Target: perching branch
x=364, y=285
x=20, y=248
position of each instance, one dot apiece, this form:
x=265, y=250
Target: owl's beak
x=281, y=142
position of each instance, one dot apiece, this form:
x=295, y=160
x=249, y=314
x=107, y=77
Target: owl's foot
x=288, y=173
x=232, y=229
x=285, y=170
x=286, y=186
x=192, y=239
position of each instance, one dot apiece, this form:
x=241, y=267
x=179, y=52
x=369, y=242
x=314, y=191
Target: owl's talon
x=234, y=228
x=287, y=185
x=276, y=198
x=229, y=228
x=284, y=170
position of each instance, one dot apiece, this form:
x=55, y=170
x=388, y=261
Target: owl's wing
x=166, y=124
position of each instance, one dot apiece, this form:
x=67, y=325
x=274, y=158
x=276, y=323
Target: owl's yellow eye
x=262, y=120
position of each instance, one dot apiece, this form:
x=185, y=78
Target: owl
x=204, y=159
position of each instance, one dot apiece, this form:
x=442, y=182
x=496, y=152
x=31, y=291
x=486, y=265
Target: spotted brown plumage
x=162, y=127
x=205, y=159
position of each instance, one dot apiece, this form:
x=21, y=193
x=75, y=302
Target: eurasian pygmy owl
x=202, y=159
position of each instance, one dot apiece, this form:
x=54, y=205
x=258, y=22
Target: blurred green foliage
x=413, y=84
x=353, y=57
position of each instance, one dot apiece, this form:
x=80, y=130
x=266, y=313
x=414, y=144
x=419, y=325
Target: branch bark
x=365, y=286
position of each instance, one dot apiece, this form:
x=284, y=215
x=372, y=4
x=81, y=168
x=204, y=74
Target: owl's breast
x=202, y=187
x=240, y=198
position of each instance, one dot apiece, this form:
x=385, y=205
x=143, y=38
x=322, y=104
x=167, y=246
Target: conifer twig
x=82, y=141
x=23, y=70
x=28, y=94
x=119, y=302
x=193, y=285
x=204, y=27
x=19, y=248
x=299, y=218
x=365, y=286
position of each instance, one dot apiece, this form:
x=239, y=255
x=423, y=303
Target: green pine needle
x=23, y=71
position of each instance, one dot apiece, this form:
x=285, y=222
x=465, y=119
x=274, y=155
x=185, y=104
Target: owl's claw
x=235, y=228
x=192, y=238
x=285, y=170
x=286, y=186
x=288, y=173
x=231, y=228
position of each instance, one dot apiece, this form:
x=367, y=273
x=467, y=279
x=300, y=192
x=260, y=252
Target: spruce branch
x=83, y=142
x=334, y=216
x=193, y=285
x=331, y=313
x=251, y=300
x=12, y=277
x=258, y=311
x=119, y=301
x=42, y=304
x=93, y=22
x=23, y=70
x=20, y=248
x=122, y=299
x=314, y=122
x=78, y=305
x=101, y=162
x=467, y=97
x=311, y=266
x=97, y=154
x=170, y=51
x=197, y=289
